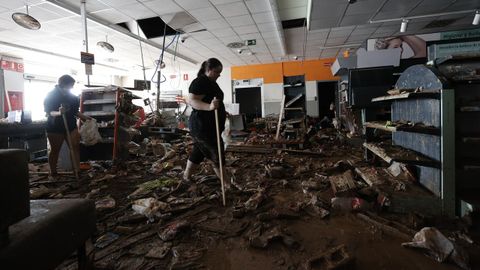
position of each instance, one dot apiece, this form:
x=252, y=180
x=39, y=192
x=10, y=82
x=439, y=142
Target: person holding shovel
x=57, y=102
x=206, y=99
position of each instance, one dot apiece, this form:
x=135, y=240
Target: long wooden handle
x=219, y=144
x=70, y=146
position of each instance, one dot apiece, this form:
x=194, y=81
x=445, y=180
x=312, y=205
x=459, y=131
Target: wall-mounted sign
x=87, y=58
x=11, y=65
x=251, y=42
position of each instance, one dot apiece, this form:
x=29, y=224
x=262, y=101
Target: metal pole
x=83, y=13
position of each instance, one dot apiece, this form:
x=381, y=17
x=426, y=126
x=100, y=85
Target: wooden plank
x=425, y=94
x=370, y=175
x=397, y=153
x=417, y=128
x=380, y=152
x=293, y=100
x=342, y=183
x=249, y=149
x=280, y=116
x=380, y=125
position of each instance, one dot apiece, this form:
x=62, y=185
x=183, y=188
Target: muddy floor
x=279, y=214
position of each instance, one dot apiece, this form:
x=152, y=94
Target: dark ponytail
x=209, y=64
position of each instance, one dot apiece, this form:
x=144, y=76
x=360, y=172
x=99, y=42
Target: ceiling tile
x=256, y=6
x=193, y=4
x=111, y=16
x=293, y=13
x=266, y=27
x=215, y=24
x=203, y=14
x=117, y=3
x=269, y=34
x=247, y=29
x=136, y=11
x=240, y=20
x=232, y=9
x=224, y=32
x=218, y=2
x=228, y=39
x=162, y=7
x=263, y=17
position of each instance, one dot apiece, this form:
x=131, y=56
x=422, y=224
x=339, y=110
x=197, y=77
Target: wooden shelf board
x=397, y=153
x=429, y=94
x=404, y=128
x=99, y=101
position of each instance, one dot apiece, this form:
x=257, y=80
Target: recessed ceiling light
x=235, y=45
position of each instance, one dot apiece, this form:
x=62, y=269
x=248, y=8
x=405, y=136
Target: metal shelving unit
x=112, y=106
x=427, y=143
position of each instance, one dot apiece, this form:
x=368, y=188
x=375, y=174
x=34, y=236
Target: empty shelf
x=99, y=101
x=397, y=153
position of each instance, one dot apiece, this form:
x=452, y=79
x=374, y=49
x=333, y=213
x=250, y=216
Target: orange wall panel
x=271, y=73
x=314, y=70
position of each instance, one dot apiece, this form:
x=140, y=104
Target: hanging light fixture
x=25, y=20
x=403, y=26
x=105, y=45
x=476, y=19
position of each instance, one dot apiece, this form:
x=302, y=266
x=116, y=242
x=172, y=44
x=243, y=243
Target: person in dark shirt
x=59, y=101
x=205, y=96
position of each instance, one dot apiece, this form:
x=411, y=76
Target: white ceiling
x=333, y=23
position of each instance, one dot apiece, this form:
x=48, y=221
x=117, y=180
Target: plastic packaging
x=89, y=132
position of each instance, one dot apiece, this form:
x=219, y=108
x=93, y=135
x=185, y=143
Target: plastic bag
x=89, y=132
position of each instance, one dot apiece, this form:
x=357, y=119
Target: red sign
x=16, y=101
x=12, y=65
x=185, y=77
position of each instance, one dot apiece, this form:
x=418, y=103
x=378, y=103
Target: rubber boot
x=189, y=170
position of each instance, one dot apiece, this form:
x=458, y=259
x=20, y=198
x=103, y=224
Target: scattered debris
x=343, y=184
x=106, y=240
x=105, y=203
x=439, y=247
x=172, y=230
x=149, y=207
x=159, y=252
x=261, y=240
x=255, y=200
x=334, y=258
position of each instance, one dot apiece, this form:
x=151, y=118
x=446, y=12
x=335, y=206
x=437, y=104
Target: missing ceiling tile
x=295, y=23
x=440, y=23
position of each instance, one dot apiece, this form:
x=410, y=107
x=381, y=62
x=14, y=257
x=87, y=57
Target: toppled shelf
x=403, y=127
x=288, y=104
x=293, y=121
x=391, y=153
x=425, y=94
x=99, y=101
x=100, y=113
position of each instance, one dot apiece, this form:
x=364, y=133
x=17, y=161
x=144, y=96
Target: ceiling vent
x=295, y=23
x=440, y=23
